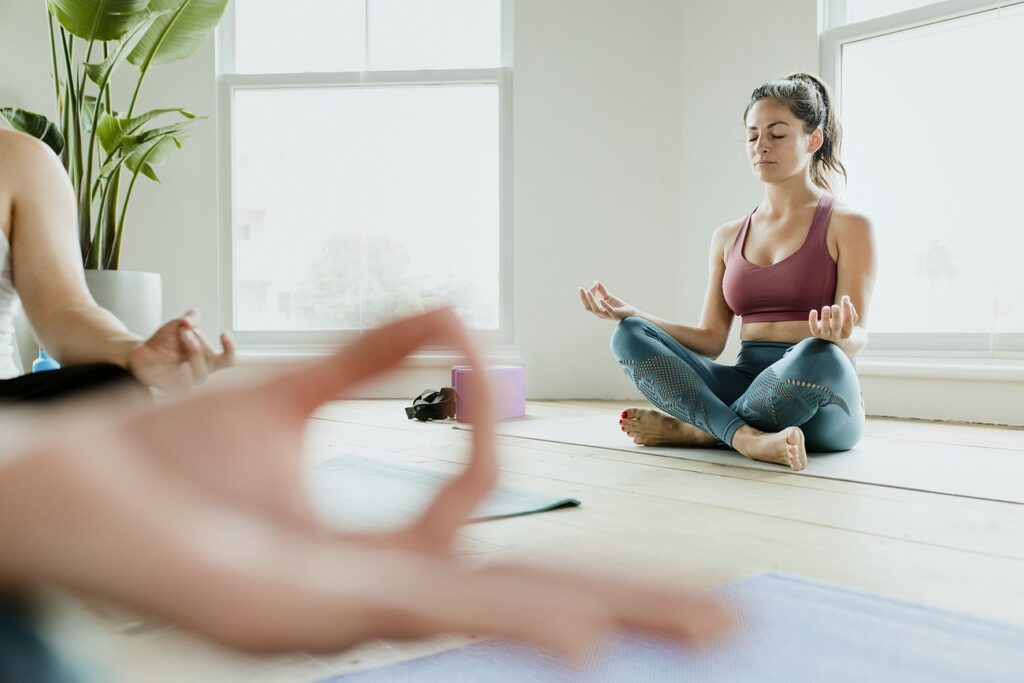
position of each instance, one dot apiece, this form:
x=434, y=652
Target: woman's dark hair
x=809, y=100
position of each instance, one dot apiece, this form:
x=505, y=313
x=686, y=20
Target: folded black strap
x=432, y=405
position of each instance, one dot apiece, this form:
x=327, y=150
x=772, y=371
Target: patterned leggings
x=811, y=384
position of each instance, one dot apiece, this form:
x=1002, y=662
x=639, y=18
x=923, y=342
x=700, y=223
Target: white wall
x=171, y=227
x=627, y=154
x=729, y=47
x=597, y=169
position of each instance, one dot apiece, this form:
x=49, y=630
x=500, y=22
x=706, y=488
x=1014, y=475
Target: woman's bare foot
x=782, y=448
x=652, y=428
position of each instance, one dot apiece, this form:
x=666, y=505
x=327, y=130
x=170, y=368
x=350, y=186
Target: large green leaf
x=121, y=133
x=179, y=33
x=88, y=106
x=36, y=125
x=98, y=19
x=100, y=73
x=154, y=152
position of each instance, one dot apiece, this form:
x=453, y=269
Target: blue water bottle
x=44, y=363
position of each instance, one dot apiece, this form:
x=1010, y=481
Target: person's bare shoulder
x=847, y=221
x=21, y=154
x=848, y=227
x=13, y=142
x=724, y=236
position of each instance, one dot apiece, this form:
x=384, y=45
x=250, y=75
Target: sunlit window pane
x=272, y=36
x=862, y=10
x=356, y=205
x=434, y=34
x=935, y=155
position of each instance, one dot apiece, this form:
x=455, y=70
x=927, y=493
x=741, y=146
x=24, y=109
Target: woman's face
x=777, y=146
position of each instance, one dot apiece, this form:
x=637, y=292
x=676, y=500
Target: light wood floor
x=643, y=515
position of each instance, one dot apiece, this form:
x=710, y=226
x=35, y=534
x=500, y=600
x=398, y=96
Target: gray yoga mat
x=791, y=630
x=361, y=493
x=970, y=471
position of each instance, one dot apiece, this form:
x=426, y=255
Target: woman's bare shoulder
x=18, y=150
x=725, y=234
x=849, y=220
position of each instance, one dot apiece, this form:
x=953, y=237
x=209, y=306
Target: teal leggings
x=811, y=384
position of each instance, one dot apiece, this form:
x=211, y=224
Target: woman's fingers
x=851, y=311
x=561, y=610
x=836, y=320
x=226, y=359
x=194, y=355
x=668, y=611
x=215, y=361
x=594, y=306
x=846, y=316
x=503, y=602
x=583, y=299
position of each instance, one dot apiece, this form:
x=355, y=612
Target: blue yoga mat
x=792, y=630
x=362, y=494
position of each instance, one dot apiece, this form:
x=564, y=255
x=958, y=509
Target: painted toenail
x=623, y=413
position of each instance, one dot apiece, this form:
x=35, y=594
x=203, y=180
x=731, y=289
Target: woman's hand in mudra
x=835, y=323
x=599, y=301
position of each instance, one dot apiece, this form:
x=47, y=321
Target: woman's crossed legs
x=776, y=403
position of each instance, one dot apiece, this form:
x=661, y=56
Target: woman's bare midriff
x=789, y=331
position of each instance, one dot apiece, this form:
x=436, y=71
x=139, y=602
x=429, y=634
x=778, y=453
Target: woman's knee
x=628, y=335
x=815, y=360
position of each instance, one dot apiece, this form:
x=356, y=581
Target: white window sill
x=990, y=370
x=271, y=356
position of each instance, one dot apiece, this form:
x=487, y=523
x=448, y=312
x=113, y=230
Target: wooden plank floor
x=641, y=515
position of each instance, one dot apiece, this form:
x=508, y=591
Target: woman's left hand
x=177, y=356
x=835, y=323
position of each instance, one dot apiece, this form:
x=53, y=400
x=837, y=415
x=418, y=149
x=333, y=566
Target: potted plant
x=106, y=148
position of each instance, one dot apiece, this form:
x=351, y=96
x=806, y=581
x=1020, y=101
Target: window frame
x=229, y=82
x=834, y=34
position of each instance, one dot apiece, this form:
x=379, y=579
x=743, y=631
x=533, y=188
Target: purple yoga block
x=508, y=389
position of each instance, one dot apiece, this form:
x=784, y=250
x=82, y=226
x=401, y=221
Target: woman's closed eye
x=773, y=137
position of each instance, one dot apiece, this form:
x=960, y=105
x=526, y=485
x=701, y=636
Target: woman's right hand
x=602, y=303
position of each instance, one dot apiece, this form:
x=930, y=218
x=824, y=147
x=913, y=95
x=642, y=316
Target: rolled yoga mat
x=792, y=630
x=954, y=469
x=359, y=493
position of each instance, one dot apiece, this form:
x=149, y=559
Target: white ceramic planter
x=135, y=298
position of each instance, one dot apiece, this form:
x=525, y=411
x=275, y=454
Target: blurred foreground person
x=195, y=512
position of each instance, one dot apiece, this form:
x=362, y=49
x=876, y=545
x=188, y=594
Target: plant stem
x=56, y=88
x=144, y=67
x=109, y=211
x=84, y=204
x=114, y=183
x=115, y=258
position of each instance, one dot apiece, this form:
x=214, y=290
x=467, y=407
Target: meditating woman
x=41, y=267
x=799, y=270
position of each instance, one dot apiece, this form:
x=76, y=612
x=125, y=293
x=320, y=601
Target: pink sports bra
x=786, y=290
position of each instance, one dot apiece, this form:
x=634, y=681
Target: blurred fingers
x=669, y=611
x=226, y=359
x=194, y=354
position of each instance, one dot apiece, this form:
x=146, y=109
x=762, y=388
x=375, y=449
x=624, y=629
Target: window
x=931, y=112
x=366, y=160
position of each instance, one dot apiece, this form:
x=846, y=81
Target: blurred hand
x=177, y=356
x=835, y=323
x=602, y=303
x=243, y=445
x=195, y=512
